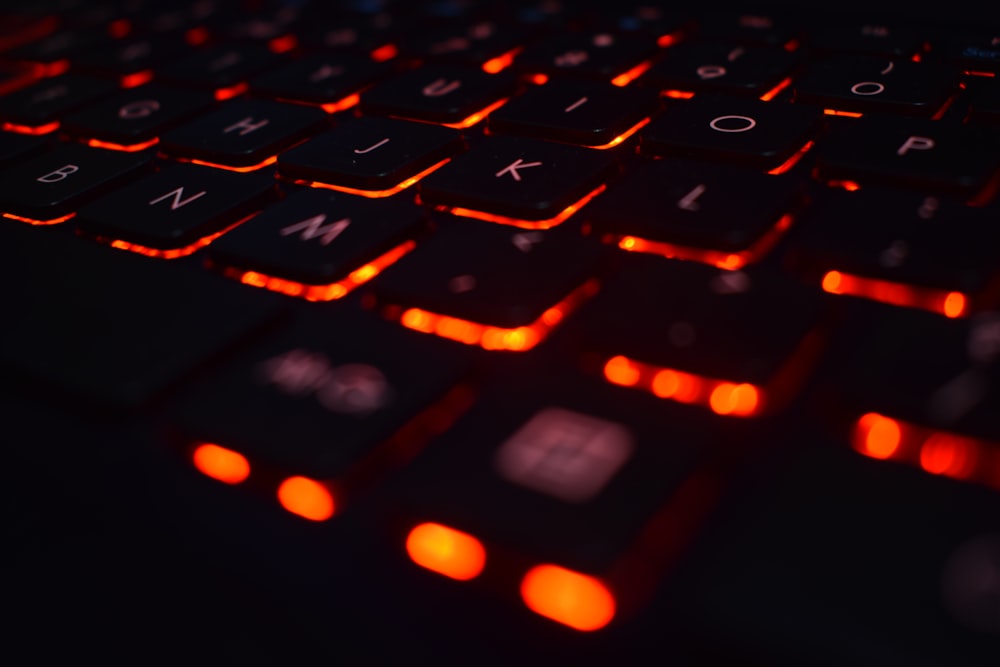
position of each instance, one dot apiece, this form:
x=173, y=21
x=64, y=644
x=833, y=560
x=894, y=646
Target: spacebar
x=109, y=328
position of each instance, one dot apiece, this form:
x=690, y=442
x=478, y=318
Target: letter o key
x=138, y=109
x=867, y=88
x=747, y=123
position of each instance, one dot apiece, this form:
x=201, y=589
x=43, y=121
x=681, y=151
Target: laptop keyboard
x=585, y=309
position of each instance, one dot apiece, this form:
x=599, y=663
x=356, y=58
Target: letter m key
x=313, y=227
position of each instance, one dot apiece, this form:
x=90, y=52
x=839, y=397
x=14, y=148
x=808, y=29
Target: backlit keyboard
x=501, y=333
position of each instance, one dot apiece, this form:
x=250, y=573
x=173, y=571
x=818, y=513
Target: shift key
x=108, y=328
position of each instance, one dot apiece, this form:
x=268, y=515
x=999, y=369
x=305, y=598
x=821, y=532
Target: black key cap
x=338, y=33
x=319, y=79
x=608, y=56
x=133, y=55
x=739, y=343
x=176, y=208
x=220, y=67
x=725, y=216
x=906, y=238
x=751, y=29
x=741, y=131
x=859, y=84
x=984, y=100
x=136, y=115
x=490, y=274
x=468, y=45
x=441, y=94
x=974, y=51
x=47, y=100
x=53, y=184
x=563, y=472
x=243, y=133
x=945, y=378
x=67, y=329
x=796, y=525
x=370, y=154
x=711, y=67
x=576, y=112
x=321, y=398
x=526, y=180
x=316, y=239
x=62, y=45
x=935, y=157
x=874, y=39
x=15, y=146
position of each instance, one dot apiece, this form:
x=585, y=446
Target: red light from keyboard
x=774, y=92
x=231, y=91
x=721, y=396
x=328, y=292
x=220, y=463
x=717, y=258
x=34, y=130
x=936, y=452
x=346, y=103
x=631, y=75
x=169, y=253
x=524, y=224
x=478, y=116
x=128, y=148
x=446, y=551
x=307, y=498
x=577, y=600
x=621, y=138
x=374, y=193
x=33, y=221
x=254, y=167
x=942, y=302
x=501, y=62
x=384, y=52
x=136, y=78
x=517, y=339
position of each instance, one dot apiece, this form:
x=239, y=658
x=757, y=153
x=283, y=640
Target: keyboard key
x=172, y=212
x=975, y=50
x=491, y=274
x=750, y=29
x=858, y=84
x=910, y=239
x=725, y=216
x=565, y=472
x=739, y=343
x=62, y=45
x=15, y=146
x=54, y=184
x=373, y=155
x=874, y=39
x=137, y=115
x=220, y=67
x=984, y=96
x=449, y=95
x=316, y=238
x=939, y=158
x=519, y=181
x=711, y=67
x=797, y=523
x=575, y=112
x=945, y=378
x=46, y=101
x=600, y=55
x=85, y=346
x=323, y=399
x=319, y=79
x=741, y=131
x=473, y=44
x=242, y=133
x=133, y=55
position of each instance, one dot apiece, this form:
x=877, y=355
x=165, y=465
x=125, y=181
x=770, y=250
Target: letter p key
x=915, y=143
